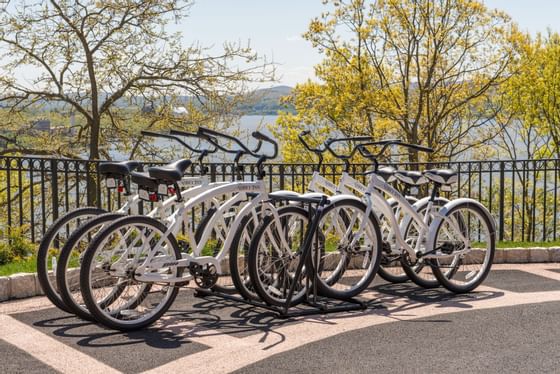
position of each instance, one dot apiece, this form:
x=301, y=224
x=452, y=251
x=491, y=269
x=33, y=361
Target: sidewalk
x=212, y=335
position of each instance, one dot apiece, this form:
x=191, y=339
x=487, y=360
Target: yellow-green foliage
x=16, y=247
x=532, y=95
x=420, y=70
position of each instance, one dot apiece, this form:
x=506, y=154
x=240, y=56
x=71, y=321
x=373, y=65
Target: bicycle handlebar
x=346, y=157
x=317, y=150
x=172, y=136
x=262, y=137
x=385, y=144
x=203, y=131
x=244, y=149
x=350, y=138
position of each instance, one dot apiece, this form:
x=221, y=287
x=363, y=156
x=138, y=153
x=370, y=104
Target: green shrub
x=15, y=246
x=6, y=255
x=20, y=245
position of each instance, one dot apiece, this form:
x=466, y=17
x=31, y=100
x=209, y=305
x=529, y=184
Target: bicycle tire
x=65, y=255
x=447, y=280
x=50, y=287
x=413, y=271
x=98, y=313
x=330, y=289
x=254, y=265
x=386, y=274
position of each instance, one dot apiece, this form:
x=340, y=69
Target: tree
x=533, y=99
x=95, y=60
x=421, y=69
x=529, y=117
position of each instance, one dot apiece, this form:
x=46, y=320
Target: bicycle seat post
x=203, y=169
x=238, y=169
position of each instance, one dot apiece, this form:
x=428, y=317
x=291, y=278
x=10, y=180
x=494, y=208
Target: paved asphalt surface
x=510, y=324
x=518, y=339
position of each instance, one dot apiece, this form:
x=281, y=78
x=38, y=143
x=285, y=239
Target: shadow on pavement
x=393, y=295
x=210, y=316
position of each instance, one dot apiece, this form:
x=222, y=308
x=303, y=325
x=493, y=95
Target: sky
x=274, y=27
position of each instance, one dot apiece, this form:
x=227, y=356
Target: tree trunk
x=94, y=139
x=412, y=138
x=92, y=181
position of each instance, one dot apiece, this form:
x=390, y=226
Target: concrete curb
x=22, y=285
x=19, y=286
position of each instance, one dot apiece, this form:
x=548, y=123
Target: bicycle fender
x=443, y=212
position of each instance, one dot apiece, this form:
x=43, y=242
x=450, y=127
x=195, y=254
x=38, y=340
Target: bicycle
x=390, y=268
x=80, y=224
x=141, y=250
x=443, y=234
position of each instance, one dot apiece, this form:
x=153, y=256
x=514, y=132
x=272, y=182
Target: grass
x=509, y=244
x=28, y=265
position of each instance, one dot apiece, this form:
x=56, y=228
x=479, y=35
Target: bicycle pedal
x=386, y=247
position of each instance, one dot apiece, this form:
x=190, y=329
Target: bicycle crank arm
x=446, y=255
x=156, y=271
x=162, y=278
x=203, y=260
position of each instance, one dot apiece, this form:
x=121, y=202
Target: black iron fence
x=522, y=195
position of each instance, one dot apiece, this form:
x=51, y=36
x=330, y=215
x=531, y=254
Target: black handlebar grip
x=184, y=133
x=259, y=135
x=262, y=137
x=423, y=148
x=151, y=133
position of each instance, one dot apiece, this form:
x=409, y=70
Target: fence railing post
x=212, y=172
x=9, y=192
x=501, y=208
x=54, y=188
x=525, y=206
x=281, y=175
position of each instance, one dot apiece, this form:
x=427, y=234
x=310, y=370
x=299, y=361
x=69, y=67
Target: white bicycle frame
x=372, y=197
x=196, y=184
x=346, y=185
x=349, y=185
x=426, y=230
x=239, y=190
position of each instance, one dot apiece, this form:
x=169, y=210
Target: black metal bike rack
x=313, y=303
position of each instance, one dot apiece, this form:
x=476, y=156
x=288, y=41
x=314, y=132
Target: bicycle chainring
x=408, y=260
x=205, y=276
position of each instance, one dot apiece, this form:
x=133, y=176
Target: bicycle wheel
x=420, y=272
x=239, y=251
x=49, y=250
x=348, y=257
x=390, y=267
x=112, y=260
x=274, y=255
x=68, y=269
x=466, y=228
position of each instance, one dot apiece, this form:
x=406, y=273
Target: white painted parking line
x=25, y=305
x=48, y=350
x=199, y=334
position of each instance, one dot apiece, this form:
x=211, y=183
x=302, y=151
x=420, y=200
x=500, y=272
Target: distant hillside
x=268, y=101
x=260, y=102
